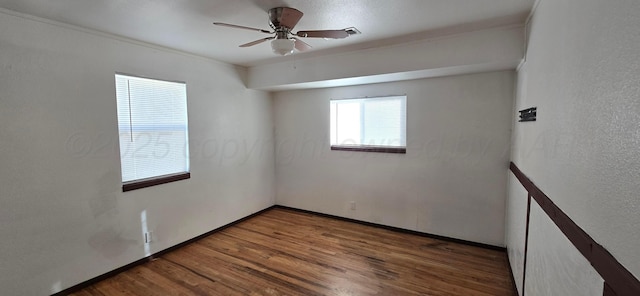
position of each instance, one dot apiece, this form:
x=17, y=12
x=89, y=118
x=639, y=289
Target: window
x=369, y=124
x=152, y=123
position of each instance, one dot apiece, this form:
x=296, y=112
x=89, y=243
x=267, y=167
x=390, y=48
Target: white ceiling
x=186, y=25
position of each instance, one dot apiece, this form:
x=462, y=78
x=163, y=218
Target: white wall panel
x=63, y=216
x=582, y=71
x=451, y=182
x=516, y=226
x=554, y=265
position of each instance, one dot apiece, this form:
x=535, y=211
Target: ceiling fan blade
x=301, y=45
x=333, y=34
x=285, y=16
x=252, y=43
x=242, y=27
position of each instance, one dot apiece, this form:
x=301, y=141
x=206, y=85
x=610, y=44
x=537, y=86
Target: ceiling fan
x=282, y=20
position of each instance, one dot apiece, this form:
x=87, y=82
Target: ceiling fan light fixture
x=283, y=46
x=283, y=40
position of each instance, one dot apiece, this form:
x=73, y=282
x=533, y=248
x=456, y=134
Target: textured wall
x=452, y=180
x=582, y=71
x=515, y=230
x=554, y=265
x=63, y=217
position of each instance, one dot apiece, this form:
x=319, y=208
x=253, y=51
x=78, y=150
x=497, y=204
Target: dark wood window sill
x=133, y=185
x=397, y=150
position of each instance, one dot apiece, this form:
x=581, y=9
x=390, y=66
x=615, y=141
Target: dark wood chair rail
x=618, y=280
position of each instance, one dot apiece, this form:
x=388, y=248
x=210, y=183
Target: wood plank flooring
x=286, y=252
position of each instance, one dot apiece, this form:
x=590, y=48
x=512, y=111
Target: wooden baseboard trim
x=116, y=271
x=618, y=280
x=397, y=229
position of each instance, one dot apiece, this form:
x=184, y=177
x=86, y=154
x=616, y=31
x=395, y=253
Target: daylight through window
x=368, y=123
x=152, y=123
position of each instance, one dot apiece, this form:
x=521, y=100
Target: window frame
x=160, y=179
x=153, y=181
x=371, y=148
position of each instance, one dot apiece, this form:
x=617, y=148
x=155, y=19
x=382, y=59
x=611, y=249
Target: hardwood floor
x=285, y=252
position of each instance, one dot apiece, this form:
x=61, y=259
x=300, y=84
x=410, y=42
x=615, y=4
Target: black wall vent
x=528, y=114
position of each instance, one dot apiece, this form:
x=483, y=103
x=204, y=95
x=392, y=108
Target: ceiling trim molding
x=533, y=11
x=400, y=76
x=110, y=36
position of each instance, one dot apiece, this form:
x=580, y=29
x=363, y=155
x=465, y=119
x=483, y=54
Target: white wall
x=582, y=71
x=554, y=265
x=63, y=217
x=515, y=230
x=452, y=180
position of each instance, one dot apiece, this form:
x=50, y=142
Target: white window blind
x=378, y=122
x=152, y=123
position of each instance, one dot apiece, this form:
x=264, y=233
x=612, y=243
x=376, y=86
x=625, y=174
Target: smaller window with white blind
x=372, y=124
x=152, y=123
